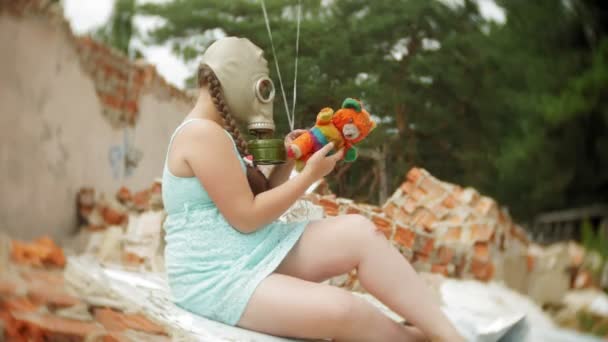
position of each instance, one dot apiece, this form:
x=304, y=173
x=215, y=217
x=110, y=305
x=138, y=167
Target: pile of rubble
x=36, y=303
x=125, y=228
x=443, y=228
x=440, y=227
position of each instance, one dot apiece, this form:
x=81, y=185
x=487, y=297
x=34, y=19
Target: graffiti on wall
x=124, y=157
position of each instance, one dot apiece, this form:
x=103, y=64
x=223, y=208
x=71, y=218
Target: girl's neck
x=205, y=109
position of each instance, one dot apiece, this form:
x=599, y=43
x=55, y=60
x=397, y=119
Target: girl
x=229, y=260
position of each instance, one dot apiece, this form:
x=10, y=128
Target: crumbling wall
x=64, y=125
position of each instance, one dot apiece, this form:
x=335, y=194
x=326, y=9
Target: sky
x=87, y=15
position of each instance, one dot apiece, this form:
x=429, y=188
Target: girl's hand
x=319, y=164
x=289, y=138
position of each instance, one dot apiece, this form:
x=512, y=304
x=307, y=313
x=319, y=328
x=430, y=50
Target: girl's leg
x=336, y=245
x=287, y=306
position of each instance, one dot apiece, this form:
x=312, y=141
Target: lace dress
x=212, y=268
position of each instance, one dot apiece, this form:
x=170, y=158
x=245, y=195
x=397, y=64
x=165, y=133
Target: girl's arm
x=280, y=173
x=214, y=161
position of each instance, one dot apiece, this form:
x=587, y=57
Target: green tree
x=556, y=156
x=517, y=110
x=120, y=29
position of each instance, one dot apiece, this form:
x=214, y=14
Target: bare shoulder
x=206, y=132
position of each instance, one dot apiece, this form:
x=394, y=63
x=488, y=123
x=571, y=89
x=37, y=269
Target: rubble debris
x=550, y=266
x=143, y=235
x=583, y=310
x=111, y=246
x=36, y=304
x=41, y=252
x=441, y=227
x=126, y=228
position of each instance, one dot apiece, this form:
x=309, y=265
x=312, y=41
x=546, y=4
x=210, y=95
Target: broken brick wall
x=70, y=110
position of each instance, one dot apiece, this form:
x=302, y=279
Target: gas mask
x=249, y=92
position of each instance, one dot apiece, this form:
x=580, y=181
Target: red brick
x=404, y=236
x=331, y=212
x=41, y=252
x=18, y=331
x=45, y=327
x=51, y=296
x=352, y=209
x=439, y=211
x=111, y=100
x=383, y=224
x=452, y=234
x=329, y=203
x=530, y=261
x=407, y=187
x=131, y=106
x=485, y=206
x=481, y=251
x=482, y=270
x=141, y=200
x=124, y=195
x=418, y=194
x=445, y=255
x=15, y=304
x=481, y=232
x=432, y=187
x=449, y=202
x=389, y=209
x=441, y=269
x=424, y=244
x=424, y=218
x=43, y=276
x=129, y=258
x=113, y=216
x=120, y=337
x=156, y=188
x=414, y=174
x=420, y=257
x=401, y=216
x=118, y=321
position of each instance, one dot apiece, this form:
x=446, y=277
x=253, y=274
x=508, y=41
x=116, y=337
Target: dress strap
x=175, y=134
x=192, y=120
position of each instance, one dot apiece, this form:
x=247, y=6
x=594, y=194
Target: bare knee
x=361, y=227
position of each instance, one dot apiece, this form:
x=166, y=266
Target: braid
x=257, y=180
x=206, y=76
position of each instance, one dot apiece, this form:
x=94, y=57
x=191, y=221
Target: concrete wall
x=53, y=136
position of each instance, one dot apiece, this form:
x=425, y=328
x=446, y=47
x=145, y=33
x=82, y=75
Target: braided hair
x=206, y=77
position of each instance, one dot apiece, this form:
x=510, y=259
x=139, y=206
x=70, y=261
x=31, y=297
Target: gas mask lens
x=264, y=90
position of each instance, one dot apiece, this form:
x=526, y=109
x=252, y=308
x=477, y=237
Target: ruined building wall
x=70, y=109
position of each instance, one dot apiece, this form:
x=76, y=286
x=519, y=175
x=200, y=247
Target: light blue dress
x=212, y=268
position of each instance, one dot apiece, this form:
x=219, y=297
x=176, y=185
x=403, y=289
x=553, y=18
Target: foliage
x=516, y=109
x=120, y=30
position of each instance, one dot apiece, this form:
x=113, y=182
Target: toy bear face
x=354, y=122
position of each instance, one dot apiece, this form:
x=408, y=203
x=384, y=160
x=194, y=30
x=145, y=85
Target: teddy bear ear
x=352, y=103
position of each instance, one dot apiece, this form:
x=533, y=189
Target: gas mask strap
x=295, y=75
x=290, y=115
x=276, y=63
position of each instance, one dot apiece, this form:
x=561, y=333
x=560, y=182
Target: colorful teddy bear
x=346, y=127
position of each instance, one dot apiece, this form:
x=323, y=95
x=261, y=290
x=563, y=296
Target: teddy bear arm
x=324, y=116
x=351, y=154
x=304, y=144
